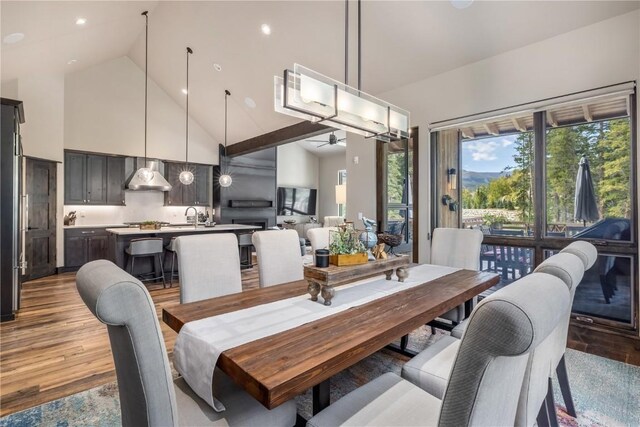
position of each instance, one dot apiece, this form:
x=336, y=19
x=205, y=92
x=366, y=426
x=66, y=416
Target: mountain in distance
x=472, y=180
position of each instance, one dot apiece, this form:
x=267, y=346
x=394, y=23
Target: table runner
x=200, y=342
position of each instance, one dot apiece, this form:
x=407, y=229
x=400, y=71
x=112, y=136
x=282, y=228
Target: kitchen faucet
x=195, y=217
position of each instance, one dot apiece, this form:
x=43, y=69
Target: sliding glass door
x=397, y=192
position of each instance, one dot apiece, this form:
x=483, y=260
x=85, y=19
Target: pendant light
x=144, y=173
x=225, y=179
x=186, y=176
x=307, y=94
x=146, y=178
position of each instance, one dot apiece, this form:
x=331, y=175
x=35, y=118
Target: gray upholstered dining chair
x=430, y=369
x=566, y=270
x=148, y=395
x=460, y=248
x=209, y=266
x=279, y=259
x=487, y=374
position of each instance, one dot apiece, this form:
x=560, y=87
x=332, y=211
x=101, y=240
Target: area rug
x=605, y=393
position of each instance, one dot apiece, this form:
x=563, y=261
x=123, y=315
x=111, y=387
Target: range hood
x=156, y=183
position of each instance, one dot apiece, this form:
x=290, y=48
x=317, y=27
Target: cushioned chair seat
x=241, y=409
x=386, y=401
x=458, y=331
x=430, y=369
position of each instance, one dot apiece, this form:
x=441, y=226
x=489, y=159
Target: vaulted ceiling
x=402, y=42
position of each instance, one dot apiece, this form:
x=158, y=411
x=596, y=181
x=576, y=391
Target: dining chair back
x=148, y=394
x=570, y=268
x=320, y=238
x=117, y=299
x=209, y=266
x=583, y=250
x=456, y=247
x=279, y=259
x=503, y=332
x=333, y=221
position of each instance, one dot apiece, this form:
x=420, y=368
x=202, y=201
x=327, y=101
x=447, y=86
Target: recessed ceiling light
x=266, y=29
x=81, y=21
x=217, y=67
x=461, y=4
x=184, y=91
x=249, y=102
x=13, y=38
x=72, y=61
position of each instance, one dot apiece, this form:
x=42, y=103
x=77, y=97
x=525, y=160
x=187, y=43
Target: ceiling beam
x=518, y=124
x=551, y=119
x=282, y=136
x=468, y=133
x=587, y=113
x=491, y=128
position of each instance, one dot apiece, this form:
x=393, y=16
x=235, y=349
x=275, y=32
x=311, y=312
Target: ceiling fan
x=333, y=140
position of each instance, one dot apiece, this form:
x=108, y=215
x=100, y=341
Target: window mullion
x=539, y=193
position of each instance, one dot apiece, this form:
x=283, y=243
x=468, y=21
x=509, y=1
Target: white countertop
x=183, y=229
x=94, y=226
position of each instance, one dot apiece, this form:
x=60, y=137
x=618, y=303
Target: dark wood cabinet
x=96, y=180
x=93, y=179
x=75, y=183
x=203, y=185
x=195, y=194
x=115, y=180
x=82, y=245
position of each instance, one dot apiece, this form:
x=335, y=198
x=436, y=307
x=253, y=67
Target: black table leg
x=321, y=397
x=468, y=308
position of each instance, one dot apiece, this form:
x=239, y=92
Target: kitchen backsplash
x=140, y=206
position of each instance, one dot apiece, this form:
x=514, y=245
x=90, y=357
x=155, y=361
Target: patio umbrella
x=585, y=208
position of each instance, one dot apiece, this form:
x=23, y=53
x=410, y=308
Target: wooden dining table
x=279, y=367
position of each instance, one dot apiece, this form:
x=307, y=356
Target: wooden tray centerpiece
x=322, y=280
x=345, y=248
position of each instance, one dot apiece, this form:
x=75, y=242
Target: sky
x=488, y=154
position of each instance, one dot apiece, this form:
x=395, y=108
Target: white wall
x=329, y=167
x=9, y=89
x=601, y=54
x=43, y=131
x=361, y=177
x=104, y=112
x=297, y=167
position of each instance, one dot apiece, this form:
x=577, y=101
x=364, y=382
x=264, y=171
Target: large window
x=534, y=182
x=498, y=178
x=588, y=180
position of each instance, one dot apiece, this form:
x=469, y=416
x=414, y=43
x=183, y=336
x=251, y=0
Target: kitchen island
x=120, y=238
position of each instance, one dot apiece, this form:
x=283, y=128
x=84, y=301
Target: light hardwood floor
x=56, y=347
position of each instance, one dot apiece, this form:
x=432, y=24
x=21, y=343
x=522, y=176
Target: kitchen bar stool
x=171, y=248
x=245, y=244
x=146, y=247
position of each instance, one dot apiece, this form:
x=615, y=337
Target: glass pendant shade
x=225, y=180
x=145, y=174
x=309, y=95
x=186, y=177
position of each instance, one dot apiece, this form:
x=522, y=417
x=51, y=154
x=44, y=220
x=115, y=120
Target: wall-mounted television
x=297, y=201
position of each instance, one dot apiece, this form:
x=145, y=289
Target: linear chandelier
x=309, y=95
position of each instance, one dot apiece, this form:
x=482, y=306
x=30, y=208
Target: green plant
x=345, y=242
x=493, y=220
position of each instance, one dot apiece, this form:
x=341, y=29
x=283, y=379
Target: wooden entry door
x=40, y=239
